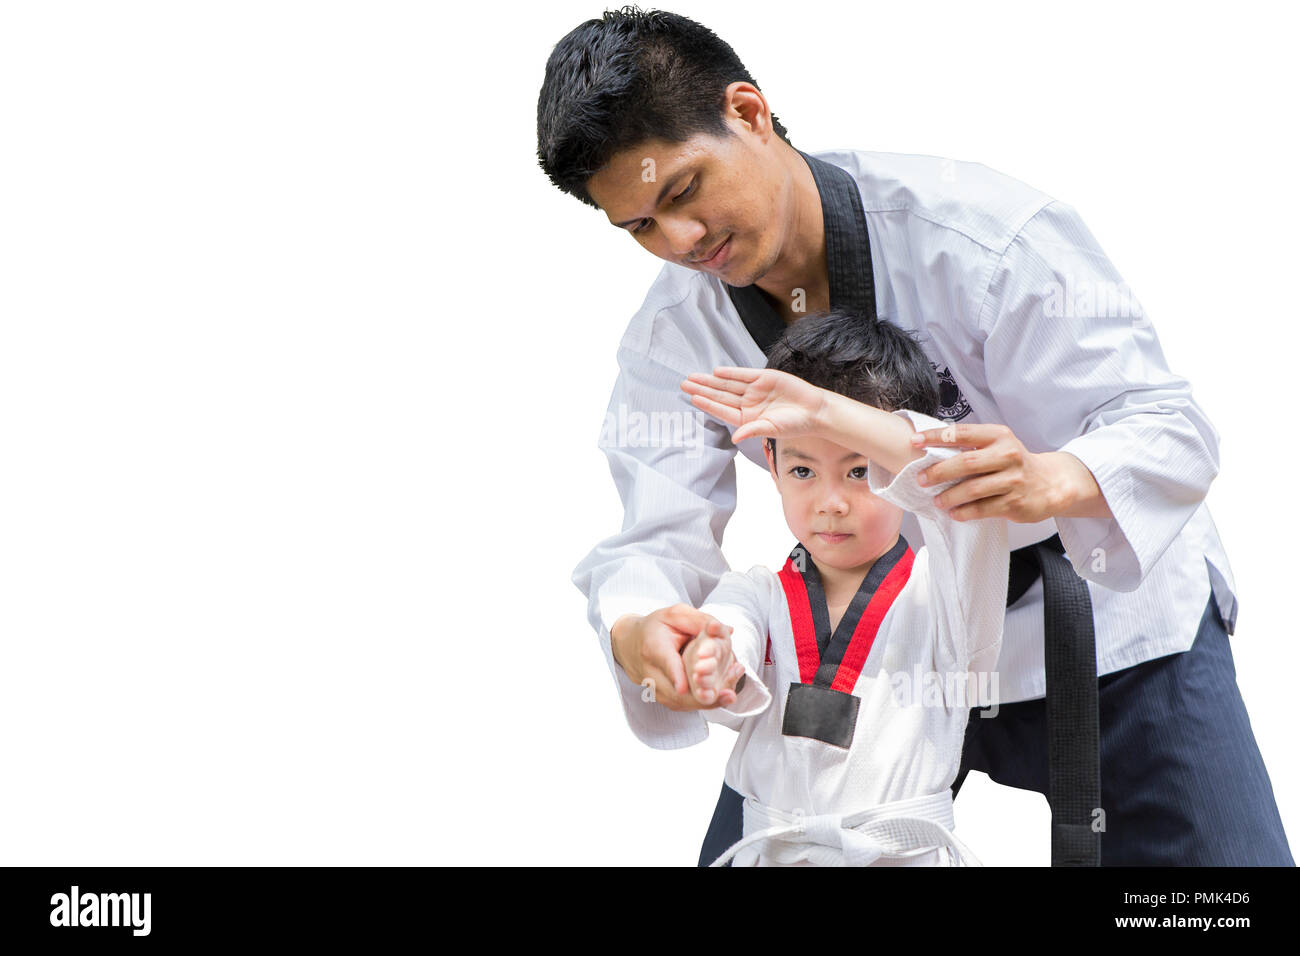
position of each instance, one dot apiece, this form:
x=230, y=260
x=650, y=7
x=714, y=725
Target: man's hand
x=651, y=647
x=999, y=478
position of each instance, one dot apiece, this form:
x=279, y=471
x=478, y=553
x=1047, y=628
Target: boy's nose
x=834, y=504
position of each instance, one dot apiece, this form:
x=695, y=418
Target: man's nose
x=683, y=235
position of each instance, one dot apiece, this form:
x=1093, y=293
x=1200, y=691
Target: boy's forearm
x=880, y=436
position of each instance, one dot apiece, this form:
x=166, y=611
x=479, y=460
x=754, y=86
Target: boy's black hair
x=631, y=76
x=870, y=361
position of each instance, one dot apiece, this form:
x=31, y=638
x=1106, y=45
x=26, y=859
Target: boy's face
x=823, y=488
x=720, y=205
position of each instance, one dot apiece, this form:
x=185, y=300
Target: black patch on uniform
x=953, y=406
x=821, y=713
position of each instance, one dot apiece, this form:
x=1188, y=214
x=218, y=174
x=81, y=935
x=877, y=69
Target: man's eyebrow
x=672, y=181
x=792, y=453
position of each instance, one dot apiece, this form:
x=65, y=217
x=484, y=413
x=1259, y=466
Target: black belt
x=1073, y=737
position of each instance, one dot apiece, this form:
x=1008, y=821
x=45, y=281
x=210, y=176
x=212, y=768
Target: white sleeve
x=1075, y=366
x=675, y=471
x=743, y=602
x=967, y=560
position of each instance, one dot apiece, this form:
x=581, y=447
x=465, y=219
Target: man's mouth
x=715, y=257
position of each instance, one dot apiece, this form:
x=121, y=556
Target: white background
x=304, y=360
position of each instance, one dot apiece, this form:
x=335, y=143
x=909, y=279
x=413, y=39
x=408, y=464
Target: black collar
x=848, y=257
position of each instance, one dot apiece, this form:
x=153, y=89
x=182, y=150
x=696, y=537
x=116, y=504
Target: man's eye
x=644, y=224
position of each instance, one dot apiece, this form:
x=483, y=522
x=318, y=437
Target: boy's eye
x=798, y=468
x=860, y=468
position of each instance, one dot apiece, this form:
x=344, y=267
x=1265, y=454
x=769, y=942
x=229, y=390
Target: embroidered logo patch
x=953, y=406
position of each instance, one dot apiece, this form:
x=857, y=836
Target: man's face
x=716, y=204
x=823, y=489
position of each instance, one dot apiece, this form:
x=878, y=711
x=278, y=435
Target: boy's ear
x=771, y=461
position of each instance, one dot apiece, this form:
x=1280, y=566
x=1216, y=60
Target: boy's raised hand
x=711, y=669
x=760, y=401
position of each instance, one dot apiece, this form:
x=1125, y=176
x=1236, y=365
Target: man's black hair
x=632, y=76
x=870, y=361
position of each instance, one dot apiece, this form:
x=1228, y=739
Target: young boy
x=861, y=660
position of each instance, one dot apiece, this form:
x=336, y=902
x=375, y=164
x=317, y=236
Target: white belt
x=891, y=830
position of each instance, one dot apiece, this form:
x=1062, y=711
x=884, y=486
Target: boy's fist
x=711, y=669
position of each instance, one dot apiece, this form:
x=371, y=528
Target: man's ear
x=747, y=103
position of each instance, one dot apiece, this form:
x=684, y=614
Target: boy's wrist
x=827, y=419
x=881, y=436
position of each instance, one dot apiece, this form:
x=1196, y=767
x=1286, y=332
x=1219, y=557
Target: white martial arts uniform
x=1028, y=323
x=939, y=615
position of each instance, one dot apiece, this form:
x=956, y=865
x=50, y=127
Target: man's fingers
x=665, y=694
x=953, y=436
x=968, y=463
x=998, y=506
x=683, y=623
x=689, y=622
x=973, y=489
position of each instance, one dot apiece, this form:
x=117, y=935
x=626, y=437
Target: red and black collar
x=835, y=660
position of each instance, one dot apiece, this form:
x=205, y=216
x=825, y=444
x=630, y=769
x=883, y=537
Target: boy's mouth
x=832, y=538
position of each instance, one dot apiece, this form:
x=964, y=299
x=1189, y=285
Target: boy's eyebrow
x=793, y=453
x=672, y=181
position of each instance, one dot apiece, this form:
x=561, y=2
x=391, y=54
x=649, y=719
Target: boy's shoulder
x=758, y=583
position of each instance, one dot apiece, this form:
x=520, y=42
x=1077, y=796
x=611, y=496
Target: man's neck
x=802, y=261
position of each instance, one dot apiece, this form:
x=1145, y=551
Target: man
x=1052, y=376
